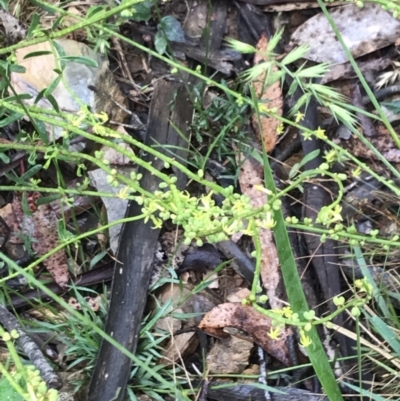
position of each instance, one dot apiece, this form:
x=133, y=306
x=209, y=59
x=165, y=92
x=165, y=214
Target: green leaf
x=18, y=98
x=172, y=29
x=25, y=205
x=94, y=10
x=4, y=4
x=61, y=53
x=11, y=118
x=393, y=106
x=57, y=22
x=63, y=233
x=386, y=332
x=45, y=200
x=274, y=77
x=43, y=6
x=50, y=89
x=39, y=96
x=42, y=132
x=53, y=102
x=293, y=86
x=38, y=54
x=4, y=158
x=17, y=68
x=141, y=11
x=160, y=43
x=35, y=20
x=310, y=156
x=81, y=60
x=97, y=259
x=303, y=100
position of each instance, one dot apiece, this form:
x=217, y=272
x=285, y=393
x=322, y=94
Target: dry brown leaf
x=178, y=347
x=46, y=235
x=249, y=320
x=42, y=228
x=271, y=97
x=229, y=356
x=250, y=177
x=364, y=30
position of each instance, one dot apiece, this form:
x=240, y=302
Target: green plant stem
x=316, y=321
x=14, y=355
x=103, y=141
x=344, y=235
x=68, y=191
x=359, y=356
x=364, y=167
x=308, y=175
x=257, y=272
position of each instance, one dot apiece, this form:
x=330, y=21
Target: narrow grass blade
x=297, y=298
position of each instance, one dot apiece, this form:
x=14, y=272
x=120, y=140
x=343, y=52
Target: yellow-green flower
x=299, y=116
x=305, y=340
x=320, y=133
x=281, y=129
x=274, y=333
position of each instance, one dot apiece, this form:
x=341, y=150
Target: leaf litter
x=220, y=316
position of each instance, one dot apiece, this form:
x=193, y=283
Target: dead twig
x=31, y=349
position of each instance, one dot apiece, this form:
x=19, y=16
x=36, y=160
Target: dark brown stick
x=136, y=250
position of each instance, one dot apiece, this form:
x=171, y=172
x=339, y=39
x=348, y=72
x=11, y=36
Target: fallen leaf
x=178, y=347
x=41, y=227
x=250, y=178
x=364, y=30
x=271, y=97
x=230, y=355
x=252, y=322
x=46, y=236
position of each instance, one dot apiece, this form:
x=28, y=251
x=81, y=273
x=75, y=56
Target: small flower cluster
x=200, y=217
x=284, y=316
x=37, y=388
